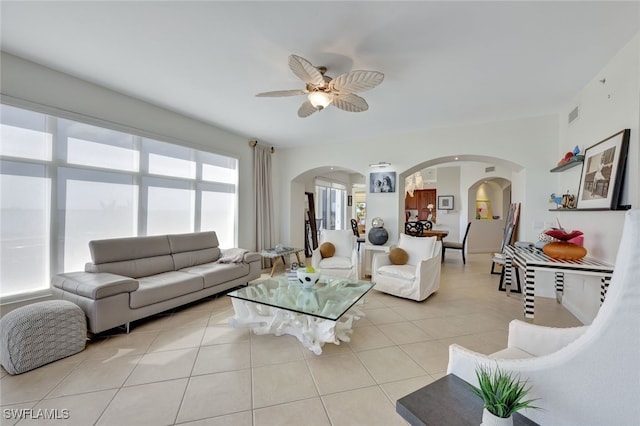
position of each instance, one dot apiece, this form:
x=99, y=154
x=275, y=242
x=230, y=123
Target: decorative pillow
x=327, y=250
x=398, y=256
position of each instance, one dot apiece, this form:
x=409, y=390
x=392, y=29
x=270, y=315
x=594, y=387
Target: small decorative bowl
x=307, y=279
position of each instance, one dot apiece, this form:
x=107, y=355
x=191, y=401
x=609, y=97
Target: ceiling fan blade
x=356, y=81
x=279, y=93
x=306, y=109
x=306, y=71
x=350, y=102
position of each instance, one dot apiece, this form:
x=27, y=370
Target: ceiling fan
x=322, y=90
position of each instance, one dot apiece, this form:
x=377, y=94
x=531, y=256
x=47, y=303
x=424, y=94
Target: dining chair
x=501, y=259
x=354, y=228
x=415, y=229
x=457, y=246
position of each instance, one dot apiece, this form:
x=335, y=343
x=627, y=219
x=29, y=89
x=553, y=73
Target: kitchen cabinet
x=419, y=202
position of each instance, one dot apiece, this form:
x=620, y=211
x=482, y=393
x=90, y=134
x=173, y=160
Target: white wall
x=449, y=184
x=535, y=138
x=23, y=80
x=604, y=110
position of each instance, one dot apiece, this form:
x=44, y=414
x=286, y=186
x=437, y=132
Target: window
x=218, y=216
x=92, y=146
x=331, y=206
x=24, y=134
x=170, y=207
x=24, y=224
x=65, y=183
x=93, y=205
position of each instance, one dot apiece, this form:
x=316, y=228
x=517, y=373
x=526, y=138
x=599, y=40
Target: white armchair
x=344, y=263
x=418, y=278
x=583, y=375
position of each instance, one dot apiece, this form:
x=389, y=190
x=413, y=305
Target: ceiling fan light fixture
x=322, y=90
x=319, y=99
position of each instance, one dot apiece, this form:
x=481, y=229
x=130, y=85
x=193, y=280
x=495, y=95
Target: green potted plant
x=503, y=394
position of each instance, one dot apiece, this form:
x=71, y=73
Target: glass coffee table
x=321, y=314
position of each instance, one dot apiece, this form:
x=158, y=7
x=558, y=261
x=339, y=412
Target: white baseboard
x=582, y=317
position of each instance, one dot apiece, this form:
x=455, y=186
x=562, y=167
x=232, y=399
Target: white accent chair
x=418, y=278
x=344, y=263
x=586, y=375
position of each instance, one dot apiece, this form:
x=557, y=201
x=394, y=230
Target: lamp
x=413, y=182
x=319, y=99
x=419, y=181
x=409, y=186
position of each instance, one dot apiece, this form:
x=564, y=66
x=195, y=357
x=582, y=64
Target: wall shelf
x=619, y=208
x=575, y=160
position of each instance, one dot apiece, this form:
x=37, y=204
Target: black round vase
x=378, y=236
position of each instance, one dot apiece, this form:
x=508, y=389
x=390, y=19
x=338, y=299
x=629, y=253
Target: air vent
x=490, y=169
x=573, y=115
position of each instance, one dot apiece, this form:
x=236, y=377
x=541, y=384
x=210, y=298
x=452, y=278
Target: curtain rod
x=253, y=143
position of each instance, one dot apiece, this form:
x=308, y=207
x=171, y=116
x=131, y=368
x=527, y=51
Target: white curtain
x=263, y=200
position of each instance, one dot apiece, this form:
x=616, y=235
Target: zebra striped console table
x=530, y=259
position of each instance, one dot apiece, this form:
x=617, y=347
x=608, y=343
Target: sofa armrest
x=94, y=285
x=540, y=340
x=252, y=256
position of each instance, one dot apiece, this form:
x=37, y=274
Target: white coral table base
x=311, y=331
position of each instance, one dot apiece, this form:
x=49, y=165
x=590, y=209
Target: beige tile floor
x=189, y=367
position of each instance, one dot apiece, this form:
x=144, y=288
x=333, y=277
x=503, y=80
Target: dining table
x=439, y=234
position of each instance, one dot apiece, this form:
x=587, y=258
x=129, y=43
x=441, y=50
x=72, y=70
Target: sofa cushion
x=192, y=241
x=218, y=273
x=398, y=256
x=195, y=257
x=327, y=249
x=135, y=268
x=335, y=262
x=404, y=272
x=121, y=249
x=165, y=286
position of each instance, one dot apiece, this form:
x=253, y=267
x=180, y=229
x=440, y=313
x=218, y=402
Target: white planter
x=489, y=419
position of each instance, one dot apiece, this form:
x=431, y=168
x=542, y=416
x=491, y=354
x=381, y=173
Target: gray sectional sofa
x=132, y=278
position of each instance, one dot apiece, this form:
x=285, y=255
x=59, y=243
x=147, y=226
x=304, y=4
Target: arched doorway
x=459, y=178
x=334, y=191
x=489, y=201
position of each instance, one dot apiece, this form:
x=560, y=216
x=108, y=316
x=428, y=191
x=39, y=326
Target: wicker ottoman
x=40, y=333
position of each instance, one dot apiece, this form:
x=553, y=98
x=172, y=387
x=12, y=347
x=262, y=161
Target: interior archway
x=353, y=182
x=475, y=175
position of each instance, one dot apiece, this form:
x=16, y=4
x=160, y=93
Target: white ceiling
x=445, y=63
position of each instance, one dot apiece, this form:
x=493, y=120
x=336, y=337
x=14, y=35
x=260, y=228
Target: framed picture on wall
x=603, y=172
x=382, y=182
x=445, y=202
